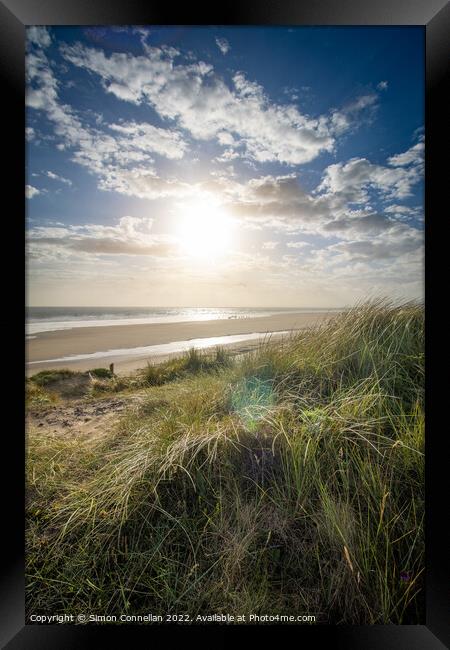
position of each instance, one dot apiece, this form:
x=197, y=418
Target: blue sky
x=236, y=166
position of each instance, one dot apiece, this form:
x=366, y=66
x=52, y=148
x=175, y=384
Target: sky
x=224, y=166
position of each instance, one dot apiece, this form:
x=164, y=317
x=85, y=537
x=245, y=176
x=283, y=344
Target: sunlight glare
x=205, y=230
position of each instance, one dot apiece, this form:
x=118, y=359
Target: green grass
x=49, y=377
x=37, y=397
x=102, y=373
x=50, y=386
x=192, y=362
x=290, y=481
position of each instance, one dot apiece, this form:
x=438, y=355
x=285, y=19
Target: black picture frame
x=15, y=15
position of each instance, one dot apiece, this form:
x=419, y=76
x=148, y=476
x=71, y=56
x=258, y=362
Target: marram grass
x=288, y=481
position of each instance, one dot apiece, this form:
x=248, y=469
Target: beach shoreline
x=46, y=346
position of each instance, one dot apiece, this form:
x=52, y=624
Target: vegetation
x=101, y=373
x=49, y=386
x=190, y=363
x=289, y=481
x=48, y=377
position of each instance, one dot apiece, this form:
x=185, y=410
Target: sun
x=204, y=230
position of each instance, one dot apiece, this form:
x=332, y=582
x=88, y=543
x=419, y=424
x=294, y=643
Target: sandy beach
x=40, y=351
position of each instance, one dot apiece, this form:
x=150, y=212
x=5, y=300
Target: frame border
x=434, y=16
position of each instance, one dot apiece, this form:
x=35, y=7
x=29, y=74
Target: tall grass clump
x=289, y=482
x=49, y=377
x=192, y=361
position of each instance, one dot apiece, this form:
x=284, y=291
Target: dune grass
x=49, y=387
x=49, y=377
x=194, y=361
x=290, y=481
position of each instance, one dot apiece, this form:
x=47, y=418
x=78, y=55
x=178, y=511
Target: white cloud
x=354, y=178
x=116, y=159
x=298, y=244
x=42, y=94
x=413, y=156
x=339, y=207
x=31, y=191
x=354, y=224
x=348, y=116
x=143, y=183
x=204, y=105
x=194, y=96
x=56, y=177
x=223, y=45
x=280, y=204
x=383, y=85
x=227, y=155
x=146, y=137
x=39, y=36
x=225, y=138
x=131, y=236
x=397, y=242
x=405, y=213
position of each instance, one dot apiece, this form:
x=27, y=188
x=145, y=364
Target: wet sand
x=87, y=340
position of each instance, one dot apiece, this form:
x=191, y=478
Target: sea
x=48, y=319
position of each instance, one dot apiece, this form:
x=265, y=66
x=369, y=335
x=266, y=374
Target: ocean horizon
x=48, y=319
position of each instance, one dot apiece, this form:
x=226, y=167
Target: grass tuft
x=101, y=373
x=191, y=362
x=48, y=377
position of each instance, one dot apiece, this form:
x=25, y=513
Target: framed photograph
x=224, y=235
